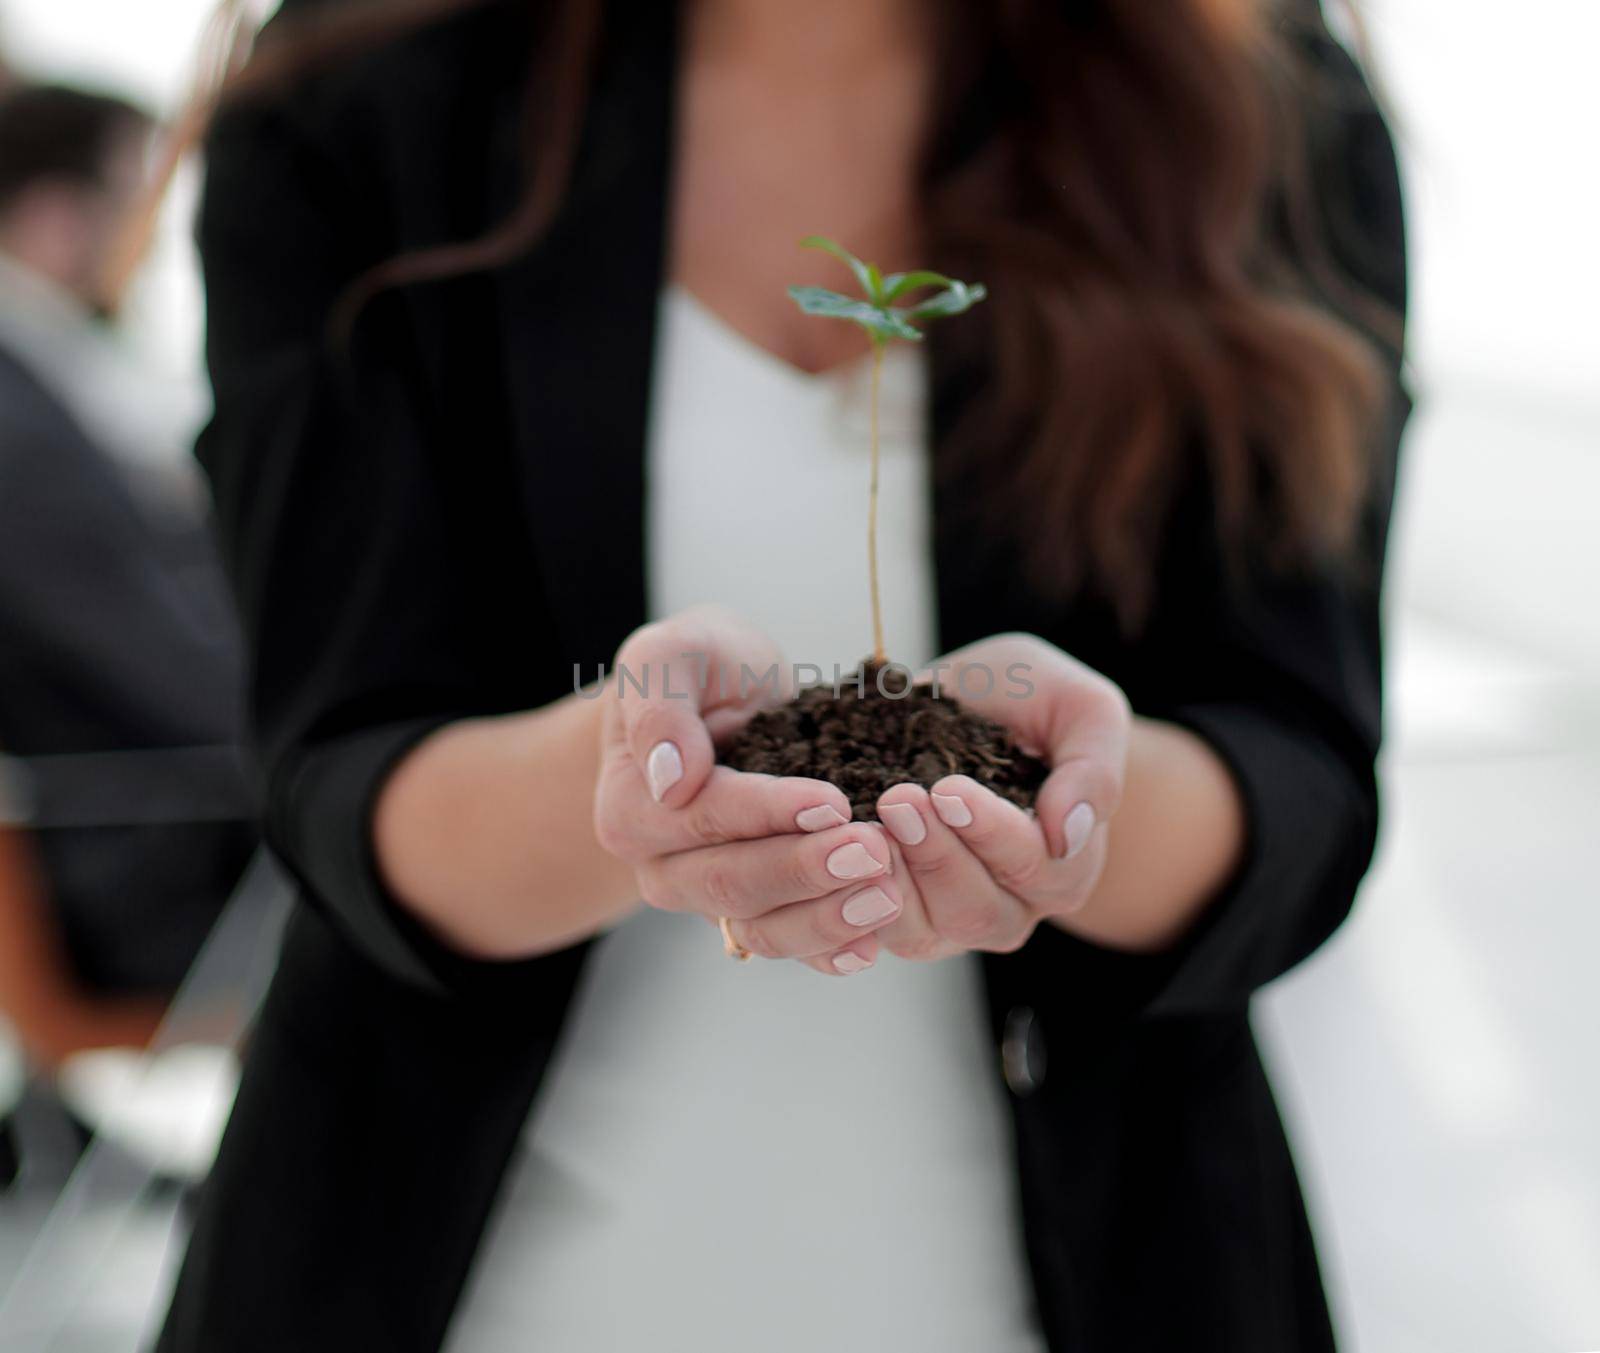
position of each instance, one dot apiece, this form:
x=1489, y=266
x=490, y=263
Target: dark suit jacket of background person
x=116, y=636
x=445, y=517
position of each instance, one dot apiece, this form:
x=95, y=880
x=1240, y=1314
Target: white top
x=738, y=1156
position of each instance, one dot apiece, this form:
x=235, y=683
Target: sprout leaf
x=954, y=299
x=864, y=272
x=879, y=321
x=896, y=284
x=874, y=310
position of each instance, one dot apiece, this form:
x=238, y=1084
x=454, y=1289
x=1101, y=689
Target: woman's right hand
x=778, y=856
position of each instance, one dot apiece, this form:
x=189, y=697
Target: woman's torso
x=722, y=1142
x=375, y=1117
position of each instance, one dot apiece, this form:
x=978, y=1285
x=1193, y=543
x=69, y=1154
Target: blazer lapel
x=578, y=317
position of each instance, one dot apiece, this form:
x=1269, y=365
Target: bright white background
x=1439, y=1058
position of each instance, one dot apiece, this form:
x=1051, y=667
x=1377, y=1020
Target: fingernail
x=952, y=810
x=904, y=822
x=853, y=861
x=870, y=906
x=663, y=768
x=848, y=963
x=1078, y=827
x=820, y=818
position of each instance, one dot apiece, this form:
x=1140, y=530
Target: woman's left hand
x=976, y=871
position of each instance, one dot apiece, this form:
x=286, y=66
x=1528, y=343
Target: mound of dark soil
x=866, y=740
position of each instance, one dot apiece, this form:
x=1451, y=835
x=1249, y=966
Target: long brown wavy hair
x=1125, y=209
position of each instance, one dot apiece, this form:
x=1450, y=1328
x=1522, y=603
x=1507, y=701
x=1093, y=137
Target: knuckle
x=802, y=873
x=1077, y=894
x=968, y=921
x=607, y=833
x=612, y=833
x=1021, y=877
x=755, y=937
x=1115, y=702
x=921, y=947
x=719, y=889
x=650, y=723
x=648, y=639
x=1012, y=940
x=652, y=888
x=935, y=866
x=1106, y=789
x=1091, y=779
x=824, y=927
x=987, y=838
x=1074, y=890
x=709, y=821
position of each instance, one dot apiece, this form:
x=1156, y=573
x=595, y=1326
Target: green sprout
x=876, y=312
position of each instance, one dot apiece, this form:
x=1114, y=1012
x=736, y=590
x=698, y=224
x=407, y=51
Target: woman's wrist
x=1177, y=839
x=484, y=832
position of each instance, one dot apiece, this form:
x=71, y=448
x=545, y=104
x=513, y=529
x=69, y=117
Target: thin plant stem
x=879, y=656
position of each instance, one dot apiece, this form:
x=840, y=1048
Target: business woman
x=508, y=393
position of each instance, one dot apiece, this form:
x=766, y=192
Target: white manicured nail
x=952, y=810
x=853, y=861
x=1078, y=827
x=869, y=906
x=904, y=822
x=820, y=818
x=663, y=768
x=848, y=963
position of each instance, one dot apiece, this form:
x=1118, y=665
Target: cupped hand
x=974, y=870
x=779, y=857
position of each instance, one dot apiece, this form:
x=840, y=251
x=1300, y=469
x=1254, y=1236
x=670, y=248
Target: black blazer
x=446, y=521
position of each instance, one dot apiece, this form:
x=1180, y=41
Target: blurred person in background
x=504, y=369
x=119, y=659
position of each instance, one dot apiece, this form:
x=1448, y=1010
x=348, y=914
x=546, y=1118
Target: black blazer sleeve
x=326, y=466
x=1281, y=675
